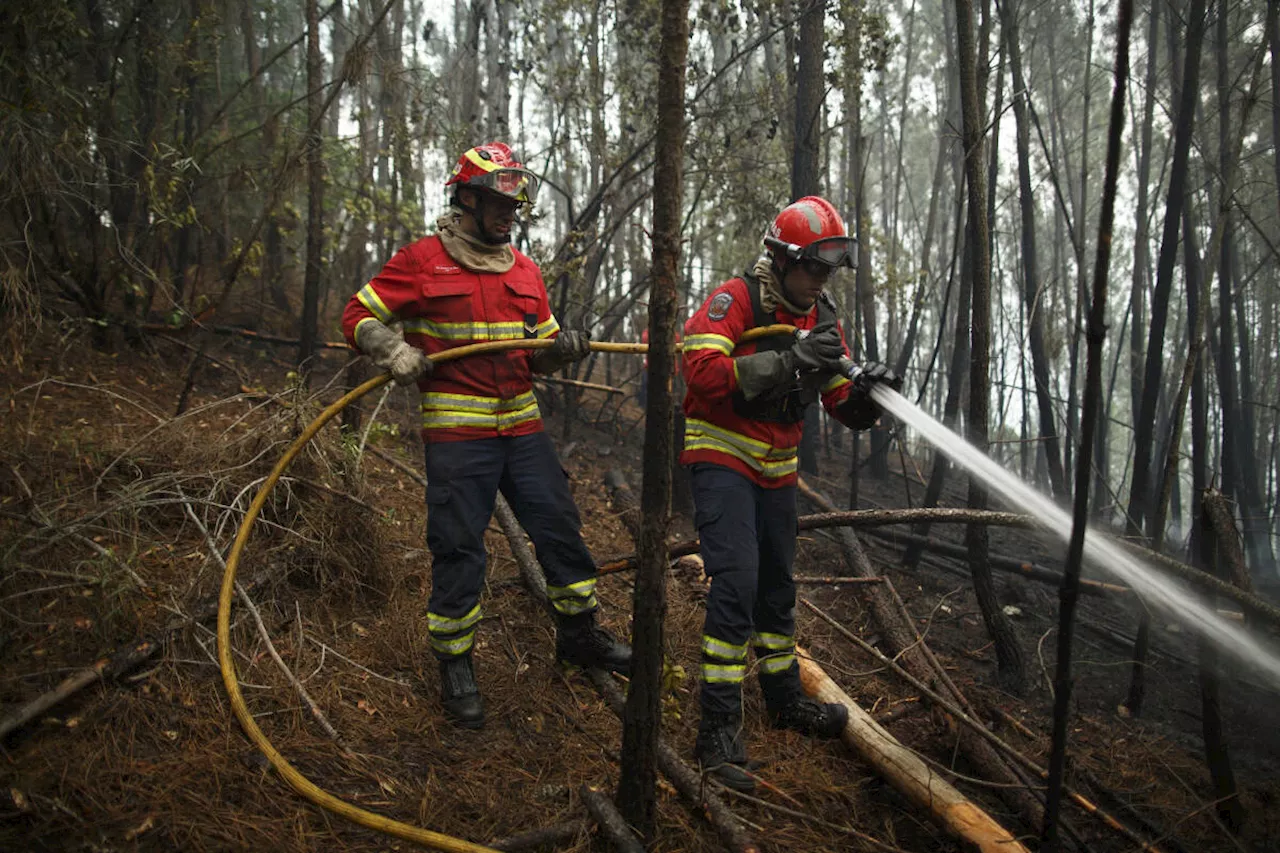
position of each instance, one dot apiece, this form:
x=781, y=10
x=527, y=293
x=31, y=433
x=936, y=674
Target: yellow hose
x=300, y=783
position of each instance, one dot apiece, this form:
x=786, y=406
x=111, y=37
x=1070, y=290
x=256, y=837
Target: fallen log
x=610, y=822
x=1006, y=564
x=906, y=772
x=118, y=664
x=975, y=726
x=578, y=383
x=895, y=624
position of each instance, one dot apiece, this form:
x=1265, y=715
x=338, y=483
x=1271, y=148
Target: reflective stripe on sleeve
x=370, y=299
x=719, y=343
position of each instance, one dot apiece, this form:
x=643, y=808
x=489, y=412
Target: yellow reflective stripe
x=356, y=332
x=720, y=649
x=719, y=343
x=757, y=448
x=475, y=330
x=575, y=606
x=836, y=382
x=370, y=299
x=768, y=469
x=477, y=160
x=773, y=641
x=774, y=664
x=456, y=646
x=446, y=411
x=548, y=327
x=438, y=624
x=581, y=589
x=440, y=401
x=726, y=674
x=502, y=420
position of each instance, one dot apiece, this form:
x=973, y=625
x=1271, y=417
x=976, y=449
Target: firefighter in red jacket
x=480, y=421
x=744, y=410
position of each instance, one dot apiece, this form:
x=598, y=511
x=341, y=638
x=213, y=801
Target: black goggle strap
x=830, y=251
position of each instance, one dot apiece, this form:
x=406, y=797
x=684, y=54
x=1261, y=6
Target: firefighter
x=744, y=410
x=480, y=421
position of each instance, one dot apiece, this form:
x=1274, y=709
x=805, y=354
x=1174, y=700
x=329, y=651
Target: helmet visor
x=833, y=251
x=518, y=184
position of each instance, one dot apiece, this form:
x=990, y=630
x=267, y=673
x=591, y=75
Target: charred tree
x=315, y=195
x=1032, y=302
x=1011, y=671
x=642, y=716
x=1089, y=422
x=805, y=165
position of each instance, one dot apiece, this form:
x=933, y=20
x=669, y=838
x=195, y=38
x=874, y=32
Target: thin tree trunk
x=315, y=195
x=642, y=716
x=1069, y=591
x=1011, y=671
x=1140, y=507
x=1032, y=304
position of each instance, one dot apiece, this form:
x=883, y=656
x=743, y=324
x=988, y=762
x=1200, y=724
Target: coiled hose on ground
x=296, y=780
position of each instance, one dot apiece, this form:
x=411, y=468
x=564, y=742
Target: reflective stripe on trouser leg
x=775, y=613
x=462, y=482
x=725, y=517
x=536, y=487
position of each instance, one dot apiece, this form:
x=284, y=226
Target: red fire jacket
x=443, y=305
x=763, y=451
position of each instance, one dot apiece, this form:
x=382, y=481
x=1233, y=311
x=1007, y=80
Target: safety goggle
x=829, y=251
x=518, y=184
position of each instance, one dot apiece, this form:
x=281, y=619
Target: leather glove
x=762, y=372
x=406, y=363
x=859, y=411
x=874, y=372
x=569, y=346
x=821, y=349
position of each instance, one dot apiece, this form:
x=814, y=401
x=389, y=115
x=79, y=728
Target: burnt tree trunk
x=642, y=716
x=1011, y=671
x=315, y=196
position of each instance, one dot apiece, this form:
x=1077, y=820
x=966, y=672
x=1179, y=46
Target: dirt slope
x=98, y=550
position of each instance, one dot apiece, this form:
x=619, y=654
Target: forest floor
x=99, y=483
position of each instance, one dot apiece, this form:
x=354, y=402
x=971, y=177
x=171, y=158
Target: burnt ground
x=98, y=550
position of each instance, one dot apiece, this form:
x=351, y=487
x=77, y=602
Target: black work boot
x=459, y=694
x=809, y=717
x=720, y=751
x=581, y=642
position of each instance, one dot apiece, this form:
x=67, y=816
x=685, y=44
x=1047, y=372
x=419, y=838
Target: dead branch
x=814, y=579
x=265, y=635
x=118, y=664
x=577, y=383
x=896, y=625
x=902, y=768
x=561, y=833
x=977, y=727
x=1007, y=564
x=610, y=821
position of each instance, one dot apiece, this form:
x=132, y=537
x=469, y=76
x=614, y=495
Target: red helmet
x=811, y=229
x=493, y=167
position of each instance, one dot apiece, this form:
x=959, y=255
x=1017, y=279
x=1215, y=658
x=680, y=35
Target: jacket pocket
x=450, y=300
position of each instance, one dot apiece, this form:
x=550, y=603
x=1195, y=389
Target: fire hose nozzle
x=849, y=369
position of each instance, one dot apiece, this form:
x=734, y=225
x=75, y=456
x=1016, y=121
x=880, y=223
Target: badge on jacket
x=719, y=306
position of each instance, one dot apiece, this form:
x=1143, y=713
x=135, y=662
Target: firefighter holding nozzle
x=744, y=410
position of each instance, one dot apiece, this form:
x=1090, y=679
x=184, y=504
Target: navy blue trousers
x=463, y=480
x=748, y=543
